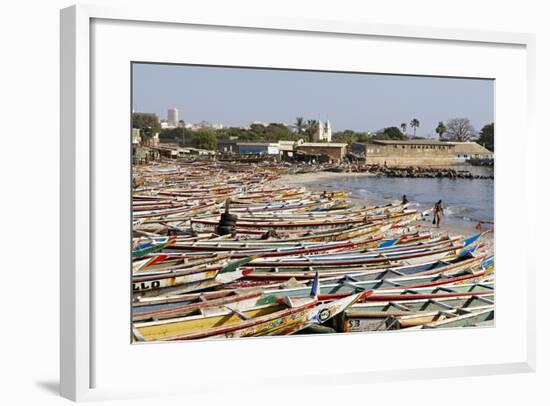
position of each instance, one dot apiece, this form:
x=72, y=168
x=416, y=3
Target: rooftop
x=323, y=144
x=257, y=144
x=412, y=142
x=470, y=148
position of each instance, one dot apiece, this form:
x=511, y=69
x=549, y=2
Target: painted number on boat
x=145, y=285
x=353, y=323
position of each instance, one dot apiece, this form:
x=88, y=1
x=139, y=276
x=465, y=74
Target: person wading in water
x=438, y=213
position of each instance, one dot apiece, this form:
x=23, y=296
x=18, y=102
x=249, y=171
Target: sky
x=360, y=102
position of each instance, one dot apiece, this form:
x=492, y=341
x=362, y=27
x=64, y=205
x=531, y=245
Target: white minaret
x=318, y=136
x=324, y=132
x=328, y=132
x=173, y=118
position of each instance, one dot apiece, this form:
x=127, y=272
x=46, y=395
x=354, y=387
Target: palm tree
x=403, y=127
x=440, y=129
x=414, y=124
x=300, y=125
x=312, y=127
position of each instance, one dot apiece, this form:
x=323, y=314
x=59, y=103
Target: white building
x=136, y=136
x=324, y=132
x=173, y=117
x=464, y=151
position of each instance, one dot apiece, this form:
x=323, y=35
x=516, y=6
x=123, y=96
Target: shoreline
x=321, y=181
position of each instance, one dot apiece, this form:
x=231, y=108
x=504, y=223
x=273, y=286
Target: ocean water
x=464, y=200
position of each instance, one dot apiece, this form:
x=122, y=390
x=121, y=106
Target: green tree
x=300, y=125
x=178, y=135
x=258, y=129
x=394, y=133
x=362, y=137
x=148, y=124
x=346, y=136
x=487, y=136
x=414, y=124
x=277, y=131
x=205, y=139
x=312, y=128
x=440, y=129
x=233, y=132
x=379, y=135
x=403, y=127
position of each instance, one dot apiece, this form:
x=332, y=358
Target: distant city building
x=173, y=117
x=324, y=132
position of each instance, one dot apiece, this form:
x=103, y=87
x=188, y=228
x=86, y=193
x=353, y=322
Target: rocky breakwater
x=422, y=172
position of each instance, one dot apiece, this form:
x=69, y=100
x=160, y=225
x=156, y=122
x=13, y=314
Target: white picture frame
x=78, y=352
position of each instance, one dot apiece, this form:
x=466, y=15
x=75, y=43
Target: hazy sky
x=361, y=102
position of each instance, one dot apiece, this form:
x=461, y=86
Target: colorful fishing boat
x=398, y=314
x=296, y=262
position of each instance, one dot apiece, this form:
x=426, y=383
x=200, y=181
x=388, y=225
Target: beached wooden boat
x=190, y=283
x=279, y=317
x=161, y=310
x=357, y=233
x=183, y=244
x=470, y=273
x=201, y=224
x=282, y=248
x=413, y=256
x=188, y=280
x=162, y=262
x=146, y=246
x=398, y=314
x=470, y=319
x=284, y=318
x=385, y=289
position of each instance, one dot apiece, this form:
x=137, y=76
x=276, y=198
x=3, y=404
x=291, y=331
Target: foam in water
x=463, y=199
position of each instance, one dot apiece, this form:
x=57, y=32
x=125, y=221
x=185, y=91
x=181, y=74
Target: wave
x=456, y=211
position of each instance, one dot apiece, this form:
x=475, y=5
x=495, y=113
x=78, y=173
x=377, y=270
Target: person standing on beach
x=438, y=213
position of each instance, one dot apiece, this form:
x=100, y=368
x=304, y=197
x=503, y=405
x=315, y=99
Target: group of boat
x=295, y=261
